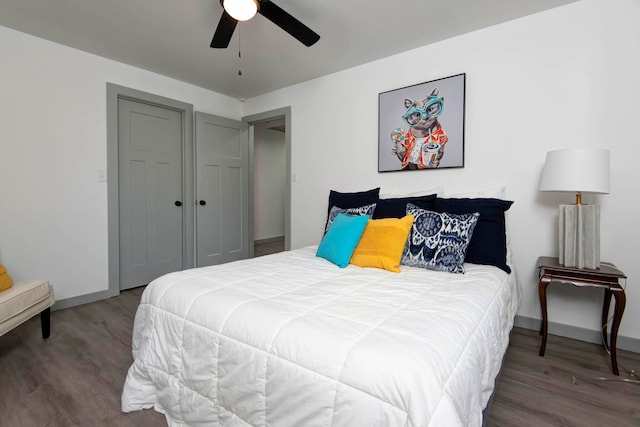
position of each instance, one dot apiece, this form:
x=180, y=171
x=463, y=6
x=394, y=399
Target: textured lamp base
x=579, y=236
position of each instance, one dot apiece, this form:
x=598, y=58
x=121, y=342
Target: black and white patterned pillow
x=438, y=240
x=362, y=210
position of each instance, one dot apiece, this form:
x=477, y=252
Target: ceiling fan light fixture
x=242, y=10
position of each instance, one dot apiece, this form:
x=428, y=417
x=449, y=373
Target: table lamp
x=578, y=170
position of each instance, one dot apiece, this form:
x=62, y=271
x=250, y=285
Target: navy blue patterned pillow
x=438, y=240
x=351, y=200
x=359, y=211
x=488, y=245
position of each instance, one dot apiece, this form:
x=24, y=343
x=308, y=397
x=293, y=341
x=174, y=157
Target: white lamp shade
x=576, y=170
x=242, y=10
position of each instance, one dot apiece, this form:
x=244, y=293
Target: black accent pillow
x=397, y=207
x=488, y=244
x=352, y=200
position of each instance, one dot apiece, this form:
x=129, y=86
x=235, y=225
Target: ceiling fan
x=242, y=10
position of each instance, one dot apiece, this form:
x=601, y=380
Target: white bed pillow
x=492, y=193
x=439, y=190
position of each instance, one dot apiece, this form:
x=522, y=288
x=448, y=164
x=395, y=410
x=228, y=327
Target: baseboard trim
x=83, y=299
x=576, y=333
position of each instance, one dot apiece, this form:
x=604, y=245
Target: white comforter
x=292, y=340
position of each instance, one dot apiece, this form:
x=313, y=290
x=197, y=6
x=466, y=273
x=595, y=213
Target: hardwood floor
x=76, y=376
x=269, y=246
x=540, y=391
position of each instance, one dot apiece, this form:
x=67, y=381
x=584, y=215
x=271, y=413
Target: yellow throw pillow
x=5, y=280
x=382, y=243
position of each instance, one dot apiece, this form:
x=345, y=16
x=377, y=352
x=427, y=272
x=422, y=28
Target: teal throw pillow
x=341, y=239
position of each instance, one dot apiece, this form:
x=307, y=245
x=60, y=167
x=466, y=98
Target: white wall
x=562, y=78
x=268, y=183
x=53, y=212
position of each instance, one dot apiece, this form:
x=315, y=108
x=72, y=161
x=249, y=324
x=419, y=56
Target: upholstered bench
x=23, y=301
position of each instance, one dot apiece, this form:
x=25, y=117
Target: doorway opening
x=270, y=147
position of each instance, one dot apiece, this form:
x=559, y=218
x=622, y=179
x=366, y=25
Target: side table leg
x=605, y=316
x=542, y=291
x=621, y=301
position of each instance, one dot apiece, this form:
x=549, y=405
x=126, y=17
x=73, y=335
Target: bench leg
x=45, y=320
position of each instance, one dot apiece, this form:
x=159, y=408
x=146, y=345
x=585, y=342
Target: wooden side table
x=606, y=277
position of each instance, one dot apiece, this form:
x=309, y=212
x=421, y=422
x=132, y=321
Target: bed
x=290, y=339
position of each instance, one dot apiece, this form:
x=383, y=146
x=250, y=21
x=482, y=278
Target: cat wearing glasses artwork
x=422, y=146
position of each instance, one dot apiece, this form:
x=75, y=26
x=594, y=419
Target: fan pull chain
x=239, y=55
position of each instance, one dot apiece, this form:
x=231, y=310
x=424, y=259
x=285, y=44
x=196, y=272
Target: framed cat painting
x=422, y=126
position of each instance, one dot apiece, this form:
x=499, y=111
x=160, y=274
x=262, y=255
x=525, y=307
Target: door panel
x=222, y=171
x=232, y=201
x=209, y=225
x=150, y=182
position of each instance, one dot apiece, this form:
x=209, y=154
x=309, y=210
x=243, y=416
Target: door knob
x=202, y=203
x=178, y=203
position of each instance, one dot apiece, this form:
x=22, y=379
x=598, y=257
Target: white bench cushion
x=23, y=301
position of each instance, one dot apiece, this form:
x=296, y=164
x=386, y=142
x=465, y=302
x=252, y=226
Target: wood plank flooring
x=76, y=376
x=540, y=391
x=270, y=246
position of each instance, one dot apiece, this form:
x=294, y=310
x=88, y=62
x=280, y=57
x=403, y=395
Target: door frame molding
x=115, y=92
x=262, y=117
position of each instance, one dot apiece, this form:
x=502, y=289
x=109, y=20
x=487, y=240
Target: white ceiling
x=172, y=37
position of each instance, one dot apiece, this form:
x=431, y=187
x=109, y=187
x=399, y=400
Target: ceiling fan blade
x=288, y=23
x=224, y=31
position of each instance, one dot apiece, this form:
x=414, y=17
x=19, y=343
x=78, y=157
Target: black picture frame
x=421, y=127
